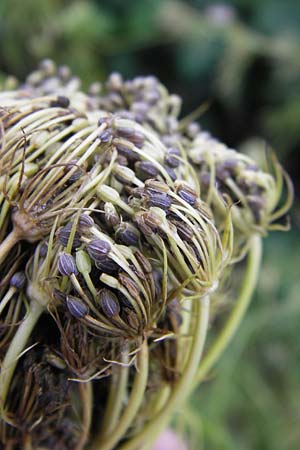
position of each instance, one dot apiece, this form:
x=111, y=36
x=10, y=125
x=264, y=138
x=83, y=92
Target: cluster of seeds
x=117, y=222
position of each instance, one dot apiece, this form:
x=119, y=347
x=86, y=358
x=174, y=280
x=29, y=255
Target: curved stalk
x=238, y=312
x=116, y=397
x=135, y=400
x=9, y=242
x=151, y=430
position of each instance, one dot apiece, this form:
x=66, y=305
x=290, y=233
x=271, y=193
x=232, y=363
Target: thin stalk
x=238, y=312
x=9, y=242
x=116, y=397
x=152, y=429
x=86, y=395
x=135, y=400
x=16, y=347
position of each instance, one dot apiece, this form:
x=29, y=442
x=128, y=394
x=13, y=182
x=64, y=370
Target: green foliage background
x=244, y=57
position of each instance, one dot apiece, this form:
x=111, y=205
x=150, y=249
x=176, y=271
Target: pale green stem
x=9, y=242
x=86, y=395
x=116, y=397
x=135, y=400
x=16, y=347
x=152, y=429
x=238, y=312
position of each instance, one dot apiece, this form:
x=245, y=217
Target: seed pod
x=77, y=174
x=127, y=234
x=106, y=136
x=64, y=235
x=159, y=199
x=66, y=265
x=171, y=158
x=156, y=186
x=61, y=102
x=85, y=221
x=171, y=172
x=83, y=262
x=129, y=284
x=187, y=194
x=76, y=307
x=43, y=250
x=124, y=150
x=109, y=303
x=145, y=170
x=107, y=265
x=111, y=216
x=184, y=230
x=108, y=194
x=59, y=295
x=18, y=280
x=143, y=261
x=132, y=319
x=97, y=249
x=124, y=174
x=114, y=82
x=54, y=360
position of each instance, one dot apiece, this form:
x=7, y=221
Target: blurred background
x=243, y=58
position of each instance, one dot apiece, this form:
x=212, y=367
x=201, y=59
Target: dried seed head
x=18, y=280
x=109, y=303
x=76, y=307
x=98, y=249
x=66, y=265
x=127, y=234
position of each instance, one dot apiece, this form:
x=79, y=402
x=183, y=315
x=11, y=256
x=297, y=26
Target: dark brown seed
x=132, y=319
x=145, y=170
x=111, y=216
x=127, y=234
x=129, y=284
x=109, y=303
x=183, y=230
x=85, y=221
x=106, y=136
x=159, y=199
x=187, y=194
x=66, y=265
x=18, y=280
x=64, y=235
x=143, y=261
x=61, y=102
x=76, y=307
x=171, y=157
x=107, y=265
x=97, y=249
x=127, y=152
x=59, y=295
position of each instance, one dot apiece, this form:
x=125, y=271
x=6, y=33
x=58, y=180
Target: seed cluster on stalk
x=117, y=221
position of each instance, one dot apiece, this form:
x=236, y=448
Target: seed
x=184, y=230
x=76, y=307
x=97, y=249
x=111, y=216
x=18, y=280
x=187, y=194
x=171, y=172
x=145, y=170
x=66, y=265
x=129, y=285
x=107, y=265
x=106, y=135
x=127, y=234
x=143, y=261
x=171, y=157
x=61, y=102
x=124, y=174
x=85, y=221
x=159, y=199
x=64, y=235
x=122, y=149
x=109, y=303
